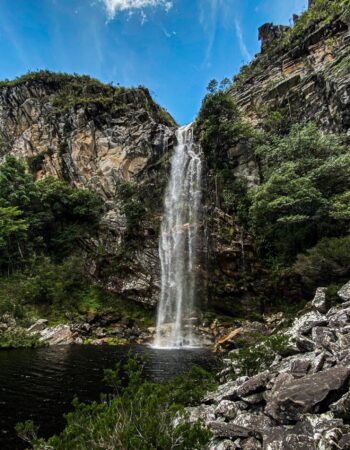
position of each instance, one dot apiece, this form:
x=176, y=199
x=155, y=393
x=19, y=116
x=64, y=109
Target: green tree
x=13, y=233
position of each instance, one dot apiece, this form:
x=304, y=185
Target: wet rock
x=319, y=302
x=59, y=335
x=344, y=292
x=39, y=325
x=302, y=395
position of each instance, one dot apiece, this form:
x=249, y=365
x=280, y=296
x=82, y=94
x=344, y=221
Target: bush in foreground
x=141, y=415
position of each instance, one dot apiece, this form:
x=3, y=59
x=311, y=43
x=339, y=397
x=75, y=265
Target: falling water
x=179, y=244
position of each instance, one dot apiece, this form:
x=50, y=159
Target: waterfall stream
x=179, y=244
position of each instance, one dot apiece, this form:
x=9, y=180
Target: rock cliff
x=305, y=74
x=104, y=139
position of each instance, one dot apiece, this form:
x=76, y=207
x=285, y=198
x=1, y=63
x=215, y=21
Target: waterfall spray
x=179, y=244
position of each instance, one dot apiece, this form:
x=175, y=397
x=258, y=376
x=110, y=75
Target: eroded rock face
x=308, y=76
x=94, y=146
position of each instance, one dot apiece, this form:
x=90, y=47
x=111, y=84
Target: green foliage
x=142, y=415
x=277, y=122
x=304, y=194
x=19, y=338
x=48, y=216
x=220, y=127
x=328, y=261
x=35, y=162
x=74, y=90
x=259, y=357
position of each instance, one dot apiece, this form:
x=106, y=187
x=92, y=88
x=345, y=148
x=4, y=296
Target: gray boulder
x=59, y=335
x=39, y=325
x=288, y=401
x=344, y=292
x=255, y=384
x=231, y=431
x=226, y=409
x=319, y=302
x=227, y=391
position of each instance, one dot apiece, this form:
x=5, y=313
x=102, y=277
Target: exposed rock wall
x=96, y=146
x=310, y=80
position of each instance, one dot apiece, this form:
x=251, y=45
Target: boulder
x=59, y=335
x=288, y=401
x=251, y=444
x=203, y=413
x=341, y=408
x=39, y=325
x=300, y=367
x=227, y=391
x=226, y=444
x=255, y=384
x=344, y=292
x=259, y=423
x=231, y=431
x=226, y=409
x=319, y=302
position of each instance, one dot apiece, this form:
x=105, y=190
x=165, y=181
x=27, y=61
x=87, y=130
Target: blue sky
x=174, y=47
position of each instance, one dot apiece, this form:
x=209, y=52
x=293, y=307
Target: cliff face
x=101, y=138
x=307, y=79
x=302, y=75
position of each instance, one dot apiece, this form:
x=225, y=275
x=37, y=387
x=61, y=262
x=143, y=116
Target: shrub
x=19, y=338
x=325, y=263
x=257, y=358
x=142, y=415
x=304, y=193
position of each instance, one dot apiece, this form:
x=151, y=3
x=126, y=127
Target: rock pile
x=302, y=402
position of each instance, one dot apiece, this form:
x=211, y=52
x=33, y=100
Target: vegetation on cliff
x=72, y=91
x=300, y=204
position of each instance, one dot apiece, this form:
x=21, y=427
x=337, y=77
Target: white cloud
x=242, y=45
x=115, y=6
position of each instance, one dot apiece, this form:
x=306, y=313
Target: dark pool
x=40, y=384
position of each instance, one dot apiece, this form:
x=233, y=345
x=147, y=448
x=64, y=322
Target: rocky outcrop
x=300, y=402
x=307, y=79
x=269, y=32
x=96, y=137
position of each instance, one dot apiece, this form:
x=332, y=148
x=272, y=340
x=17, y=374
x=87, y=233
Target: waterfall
x=179, y=244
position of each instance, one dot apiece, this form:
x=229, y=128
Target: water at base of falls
x=179, y=244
